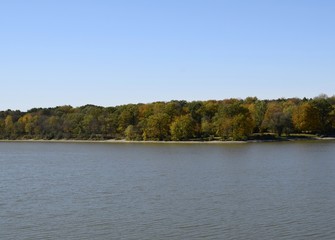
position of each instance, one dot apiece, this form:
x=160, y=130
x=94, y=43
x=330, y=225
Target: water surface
x=167, y=191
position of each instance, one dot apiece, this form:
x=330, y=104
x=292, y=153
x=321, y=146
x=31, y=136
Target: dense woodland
x=229, y=119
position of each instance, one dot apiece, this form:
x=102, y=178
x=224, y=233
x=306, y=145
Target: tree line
x=228, y=119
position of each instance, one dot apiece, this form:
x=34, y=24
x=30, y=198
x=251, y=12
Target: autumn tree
x=178, y=120
x=306, y=118
x=9, y=126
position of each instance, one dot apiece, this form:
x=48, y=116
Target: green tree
x=72, y=124
x=275, y=119
x=174, y=108
x=157, y=127
x=207, y=128
x=257, y=110
x=324, y=109
x=53, y=127
x=182, y=128
x=110, y=127
x=131, y=133
x=92, y=121
x=128, y=116
x=234, y=122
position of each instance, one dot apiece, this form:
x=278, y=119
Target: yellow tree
x=25, y=123
x=306, y=118
x=9, y=125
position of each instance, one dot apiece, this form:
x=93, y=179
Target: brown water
x=167, y=191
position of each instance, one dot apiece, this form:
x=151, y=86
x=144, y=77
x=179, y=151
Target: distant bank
x=249, y=119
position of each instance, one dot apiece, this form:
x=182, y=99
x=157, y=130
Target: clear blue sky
x=77, y=52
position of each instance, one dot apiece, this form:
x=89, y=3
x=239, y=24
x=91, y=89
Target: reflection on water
x=167, y=191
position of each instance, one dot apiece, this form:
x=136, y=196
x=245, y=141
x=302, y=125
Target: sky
x=114, y=52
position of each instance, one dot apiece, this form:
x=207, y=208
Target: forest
x=228, y=119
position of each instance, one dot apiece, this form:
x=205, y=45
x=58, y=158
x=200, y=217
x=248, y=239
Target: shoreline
x=120, y=141
x=166, y=142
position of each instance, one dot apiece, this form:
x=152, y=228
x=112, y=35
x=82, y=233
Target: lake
x=141, y=191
